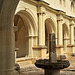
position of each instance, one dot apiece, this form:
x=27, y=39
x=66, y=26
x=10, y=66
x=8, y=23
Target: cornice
x=41, y=3
x=51, y=9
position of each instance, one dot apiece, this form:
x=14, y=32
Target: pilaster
x=59, y=47
x=41, y=48
x=71, y=46
x=72, y=33
x=41, y=25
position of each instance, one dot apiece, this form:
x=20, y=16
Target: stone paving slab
x=36, y=71
x=32, y=70
x=67, y=73
x=42, y=73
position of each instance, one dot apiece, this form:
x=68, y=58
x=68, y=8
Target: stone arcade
x=25, y=25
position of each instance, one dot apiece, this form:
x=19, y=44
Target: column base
x=52, y=72
x=59, y=50
x=71, y=50
x=9, y=72
x=39, y=51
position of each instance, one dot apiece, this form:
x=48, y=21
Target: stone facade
x=36, y=19
x=26, y=24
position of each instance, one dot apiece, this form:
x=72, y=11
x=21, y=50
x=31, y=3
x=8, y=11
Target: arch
x=50, y=24
x=21, y=8
x=21, y=41
x=49, y=27
x=30, y=27
x=26, y=15
x=65, y=36
x=66, y=30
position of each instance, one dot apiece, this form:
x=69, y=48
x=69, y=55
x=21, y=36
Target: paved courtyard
x=33, y=70
x=36, y=71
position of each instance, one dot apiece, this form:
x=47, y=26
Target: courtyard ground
x=33, y=70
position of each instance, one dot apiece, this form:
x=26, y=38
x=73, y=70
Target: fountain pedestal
x=52, y=72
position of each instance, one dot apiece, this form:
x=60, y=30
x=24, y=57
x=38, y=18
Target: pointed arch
x=49, y=27
x=26, y=30
x=66, y=30
x=27, y=16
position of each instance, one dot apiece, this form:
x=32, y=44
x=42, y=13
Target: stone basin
x=45, y=64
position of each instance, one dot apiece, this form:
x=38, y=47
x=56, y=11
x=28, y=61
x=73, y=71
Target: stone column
x=43, y=31
x=72, y=34
x=30, y=46
x=40, y=27
x=60, y=32
x=56, y=34
x=32, y=43
x=71, y=47
x=16, y=49
x=41, y=34
x=66, y=39
x=7, y=48
x=60, y=37
x=7, y=37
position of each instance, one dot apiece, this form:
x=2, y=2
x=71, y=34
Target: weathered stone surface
x=52, y=48
x=62, y=57
x=1, y=3
x=44, y=63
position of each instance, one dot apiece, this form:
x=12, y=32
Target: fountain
x=52, y=66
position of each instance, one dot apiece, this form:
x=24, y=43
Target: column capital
x=41, y=13
x=31, y=36
x=66, y=38
x=70, y=45
x=59, y=19
x=59, y=46
x=71, y=24
x=39, y=47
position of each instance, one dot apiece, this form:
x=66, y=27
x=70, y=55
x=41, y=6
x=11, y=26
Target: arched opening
x=21, y=41
x=65, y=37
x=24, y=40
x=49, y=27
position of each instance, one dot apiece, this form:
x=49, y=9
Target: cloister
x=25, y=26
